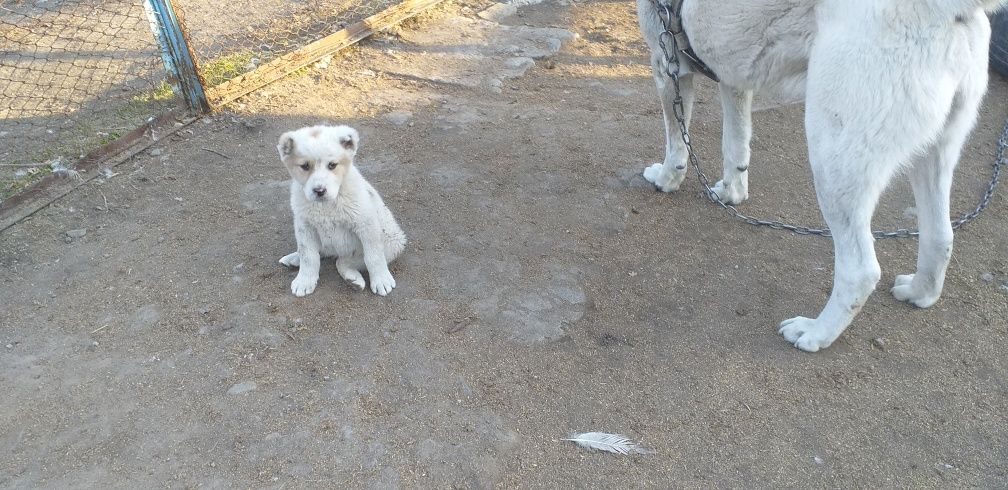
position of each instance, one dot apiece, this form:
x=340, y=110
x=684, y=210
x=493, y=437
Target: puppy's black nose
x=319, y=191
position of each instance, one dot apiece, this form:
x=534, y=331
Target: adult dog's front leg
x=856, y=272
x=733, y=188
x=849, y=178
x=847, y=197
x=667, y=176
x=373, y=247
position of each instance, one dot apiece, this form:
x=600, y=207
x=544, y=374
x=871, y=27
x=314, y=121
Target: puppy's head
x=318, y=158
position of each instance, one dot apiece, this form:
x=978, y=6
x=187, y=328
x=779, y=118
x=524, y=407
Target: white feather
x=613, y=443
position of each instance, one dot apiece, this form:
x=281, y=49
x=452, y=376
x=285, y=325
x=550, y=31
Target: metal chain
x=671, y=22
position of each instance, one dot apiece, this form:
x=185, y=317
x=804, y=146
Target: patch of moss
x=220, y=70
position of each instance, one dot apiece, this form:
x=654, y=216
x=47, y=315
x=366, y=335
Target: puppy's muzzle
x=319, y=191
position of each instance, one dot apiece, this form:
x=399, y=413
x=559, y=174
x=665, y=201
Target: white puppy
x=887, y=84
x=336, y=211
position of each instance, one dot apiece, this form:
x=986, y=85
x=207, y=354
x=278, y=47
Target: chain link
x=670, y=18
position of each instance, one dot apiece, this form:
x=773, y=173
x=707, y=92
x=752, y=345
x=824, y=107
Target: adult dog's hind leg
x=733, y=188
x=931, y=178
x=848, y=210
x=667, y=176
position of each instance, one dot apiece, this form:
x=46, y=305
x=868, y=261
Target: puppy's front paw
x=303, y=286
x=382, y=283
x=665, y=180
x=291, y=260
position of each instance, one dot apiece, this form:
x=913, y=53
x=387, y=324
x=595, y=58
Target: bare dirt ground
x=547, y=289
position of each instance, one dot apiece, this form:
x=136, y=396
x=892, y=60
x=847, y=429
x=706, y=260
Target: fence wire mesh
x=228, y=40
x=73, y=75
x=77, y=74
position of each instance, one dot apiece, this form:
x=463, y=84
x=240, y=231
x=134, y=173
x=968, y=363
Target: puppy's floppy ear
x=286, y=145
x=350, y=140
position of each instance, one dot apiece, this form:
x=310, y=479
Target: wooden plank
x=51, y=188
x=242, y=85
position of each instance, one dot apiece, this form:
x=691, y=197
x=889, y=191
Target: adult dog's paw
x=904, y=289
x=382, y=283
x=806, y=334
x=730, y=194
x=303, y=286
x=664, y=180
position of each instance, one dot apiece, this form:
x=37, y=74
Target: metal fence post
x=175, y=52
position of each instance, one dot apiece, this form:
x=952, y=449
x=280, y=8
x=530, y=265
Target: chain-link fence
x=74, y=75
x=231, y=38
x=78, y=74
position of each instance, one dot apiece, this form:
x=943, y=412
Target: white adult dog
x=887, y=84
x=337, y=213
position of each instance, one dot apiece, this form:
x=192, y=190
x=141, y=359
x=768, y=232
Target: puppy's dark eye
x=332, y=165
x=305, y=166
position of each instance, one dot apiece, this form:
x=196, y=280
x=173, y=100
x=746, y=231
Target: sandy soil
x=547, y=289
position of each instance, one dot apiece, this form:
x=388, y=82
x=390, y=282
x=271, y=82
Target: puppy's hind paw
x=382, y=283
x=291, y=260
x=355, y=279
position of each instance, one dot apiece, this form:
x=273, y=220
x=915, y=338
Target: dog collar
x=682, y=39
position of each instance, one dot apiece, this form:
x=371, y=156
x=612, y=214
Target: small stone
x=243, y=387
x=399, y=117
x=9, y=346
x=498, y=12
x=987, y=277
x=880, y=343
x=76, y=234
x=155, y=152
x=817, y=460
x=323, y=63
